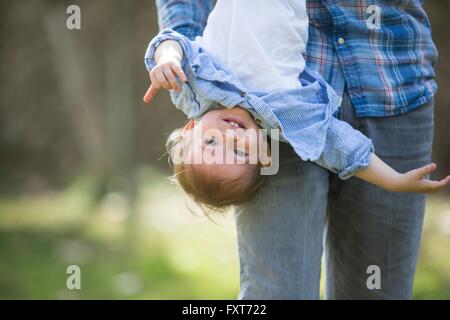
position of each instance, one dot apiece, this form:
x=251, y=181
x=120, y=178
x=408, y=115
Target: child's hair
x=209, y=193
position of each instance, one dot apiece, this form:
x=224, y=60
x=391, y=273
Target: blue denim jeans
x=304, y=209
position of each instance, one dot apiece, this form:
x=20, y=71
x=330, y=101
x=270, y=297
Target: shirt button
x=258, y=121
x=341, y=40
x=243, y=93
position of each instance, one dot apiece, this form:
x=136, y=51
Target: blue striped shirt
x=303, y=115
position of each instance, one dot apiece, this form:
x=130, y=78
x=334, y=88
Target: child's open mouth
x=236, y=123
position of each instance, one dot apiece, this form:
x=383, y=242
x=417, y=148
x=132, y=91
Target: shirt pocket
x=318, y=14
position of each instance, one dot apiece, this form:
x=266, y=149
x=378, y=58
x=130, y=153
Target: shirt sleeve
x=184, y=100
x=187, y=17
x=168, y=34
x=346, y=150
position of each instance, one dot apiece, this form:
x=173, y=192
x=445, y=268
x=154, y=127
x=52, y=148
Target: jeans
x=305, y=211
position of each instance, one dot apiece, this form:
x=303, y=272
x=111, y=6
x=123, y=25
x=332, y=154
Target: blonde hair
x=211, y=194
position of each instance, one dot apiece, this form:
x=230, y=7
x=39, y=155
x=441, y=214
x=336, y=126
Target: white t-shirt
x=261, y=41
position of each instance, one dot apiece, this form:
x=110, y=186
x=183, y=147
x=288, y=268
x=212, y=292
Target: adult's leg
x=367, y=225
x=280, y=232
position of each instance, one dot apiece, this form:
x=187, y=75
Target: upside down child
x=243, y=76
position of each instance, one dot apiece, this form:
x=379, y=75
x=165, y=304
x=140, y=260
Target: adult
x=379, y=57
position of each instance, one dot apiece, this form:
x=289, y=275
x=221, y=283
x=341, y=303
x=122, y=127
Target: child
x=247, y=71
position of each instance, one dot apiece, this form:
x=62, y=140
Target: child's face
x=229, y=136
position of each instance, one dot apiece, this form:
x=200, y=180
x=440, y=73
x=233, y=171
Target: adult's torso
x=387, y=68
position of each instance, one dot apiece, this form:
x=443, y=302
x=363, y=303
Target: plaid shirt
x=387, y=69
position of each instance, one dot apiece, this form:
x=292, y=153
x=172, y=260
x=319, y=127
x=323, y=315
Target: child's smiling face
x=229, y=138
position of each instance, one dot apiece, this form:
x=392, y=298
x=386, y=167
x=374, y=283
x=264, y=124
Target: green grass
x=433, y=271
x=162, y=251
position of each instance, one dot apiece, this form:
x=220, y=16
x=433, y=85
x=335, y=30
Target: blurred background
x=83, y=176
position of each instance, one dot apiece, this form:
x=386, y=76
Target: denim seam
x=305, y=232
x=391, y=214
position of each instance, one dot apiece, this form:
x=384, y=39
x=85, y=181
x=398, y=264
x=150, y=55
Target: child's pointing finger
x=151, y=93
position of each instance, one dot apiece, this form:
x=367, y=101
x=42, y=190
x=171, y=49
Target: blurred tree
x=72, y=82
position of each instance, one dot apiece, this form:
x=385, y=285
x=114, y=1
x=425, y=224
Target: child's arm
x=349, y=152
x=380, y=174
x=168, y=57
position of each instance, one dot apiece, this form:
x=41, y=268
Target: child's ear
x=190, y=125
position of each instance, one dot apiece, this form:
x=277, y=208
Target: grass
x=162, y=251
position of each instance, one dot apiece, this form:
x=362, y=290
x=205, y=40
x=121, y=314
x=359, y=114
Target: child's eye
x=210, y=141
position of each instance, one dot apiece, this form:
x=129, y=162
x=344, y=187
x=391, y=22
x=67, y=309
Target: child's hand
x=414, y=181
x=168, y=58
x=163, y=76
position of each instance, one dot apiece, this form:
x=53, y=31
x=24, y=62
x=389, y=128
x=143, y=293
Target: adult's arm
x=187, y=17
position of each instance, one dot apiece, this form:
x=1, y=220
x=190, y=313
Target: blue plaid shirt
x=387, y=70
